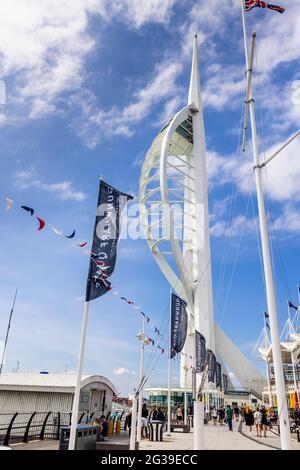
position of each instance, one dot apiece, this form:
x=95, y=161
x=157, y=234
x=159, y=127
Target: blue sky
x=88, y=85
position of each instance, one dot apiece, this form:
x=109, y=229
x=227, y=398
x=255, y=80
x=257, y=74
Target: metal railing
x=25, y=427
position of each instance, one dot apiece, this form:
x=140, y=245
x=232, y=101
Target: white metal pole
x=7, y=332
x=294, y=375
x=269, y=383
x=285, y=436
x=78, y=378
x=267, y=364
x=170, y=369
x=140, y=404
x=133, y=423
x=199, y=425
x=185, y=395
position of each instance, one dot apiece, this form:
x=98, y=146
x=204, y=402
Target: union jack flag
x=249, y=4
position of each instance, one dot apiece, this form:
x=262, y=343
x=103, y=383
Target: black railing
x=25, y=427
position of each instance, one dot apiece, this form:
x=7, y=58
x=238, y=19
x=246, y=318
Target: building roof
x=62, y=382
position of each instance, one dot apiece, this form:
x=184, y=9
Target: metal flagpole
x=285, y=436
x=185, y=394
x=267, y=366
x=140, y=403
x=292, y=353
x=78, y=378
x=7, y=331
x=198, y=409
x=170, y=368
x=133, y=423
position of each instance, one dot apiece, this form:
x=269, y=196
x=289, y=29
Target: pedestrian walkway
x=216, y=438
x=219, y=438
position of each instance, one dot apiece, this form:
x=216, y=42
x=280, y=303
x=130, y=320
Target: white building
x=27, y=393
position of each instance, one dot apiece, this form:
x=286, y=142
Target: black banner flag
x=225, y=382
x=200, y=352
x=218, y=375
x=179, y=320
x=111, y=202
x=211, y=360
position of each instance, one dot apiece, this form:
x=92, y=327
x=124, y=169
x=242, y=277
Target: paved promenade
x=219, y=438
x=216, y=438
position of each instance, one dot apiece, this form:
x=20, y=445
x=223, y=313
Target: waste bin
x=86, y=437
x=191, y=420
x=155, y=430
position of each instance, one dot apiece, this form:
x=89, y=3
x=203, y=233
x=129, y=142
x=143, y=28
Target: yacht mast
x=285, y=436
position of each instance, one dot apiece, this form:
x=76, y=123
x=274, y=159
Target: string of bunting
x=147, y=318
x=42, y=223
x=41, y=226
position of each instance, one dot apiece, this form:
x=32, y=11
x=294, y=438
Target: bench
x=183, y=427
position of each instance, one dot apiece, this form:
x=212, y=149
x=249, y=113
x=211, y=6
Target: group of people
x=260, y=418
x=103, y=425
x=155, y=415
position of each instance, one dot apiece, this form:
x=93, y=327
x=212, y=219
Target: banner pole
x=140, y=403
x=7, y=332
x=169, y=369
x=78, y=378
x=133, y=423
x=185, y=395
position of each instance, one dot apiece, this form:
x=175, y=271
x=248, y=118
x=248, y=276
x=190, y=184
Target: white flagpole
x=7, y=332
x=78, y=378
x=185, y=393
x=283, y=415
x=170, y=369
x=198, y=408
x=140, y=403
x=267, y=366
x=133, y=423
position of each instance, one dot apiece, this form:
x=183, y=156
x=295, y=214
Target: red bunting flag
x=42, y=223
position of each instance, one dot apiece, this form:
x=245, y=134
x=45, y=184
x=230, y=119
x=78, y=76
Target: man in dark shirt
x=154, y=413
x=229, y=416
x=104, y=428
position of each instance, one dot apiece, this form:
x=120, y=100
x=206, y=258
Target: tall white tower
x=173, y=202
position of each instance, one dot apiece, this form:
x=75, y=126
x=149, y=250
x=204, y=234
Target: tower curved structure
x=173, y=200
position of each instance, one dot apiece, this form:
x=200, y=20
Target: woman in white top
x=258, y=420
x=214, y=416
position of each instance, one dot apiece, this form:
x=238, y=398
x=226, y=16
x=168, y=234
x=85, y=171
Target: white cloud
x=63, y=190
x=98, y=123
x=123, y=371
x=44, y=45
x=289, y=220
x=139, y=12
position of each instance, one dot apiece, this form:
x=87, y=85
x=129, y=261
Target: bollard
x=110, y=427
x=118, y=427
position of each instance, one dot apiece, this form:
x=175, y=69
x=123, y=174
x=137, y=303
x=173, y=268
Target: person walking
x=236, y=413
x=145, y=414
x=214, y=414
x=257, y=420
x=221, y=416
x=249, y=418
x=264, y=421
x=160, y=416
x=179, y=415
x=154, y=413
x=229, y=416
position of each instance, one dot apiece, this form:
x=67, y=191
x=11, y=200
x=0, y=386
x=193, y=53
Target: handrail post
x=25, y=437
x=58, y=426
x=44, y=426
x=7, y=435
